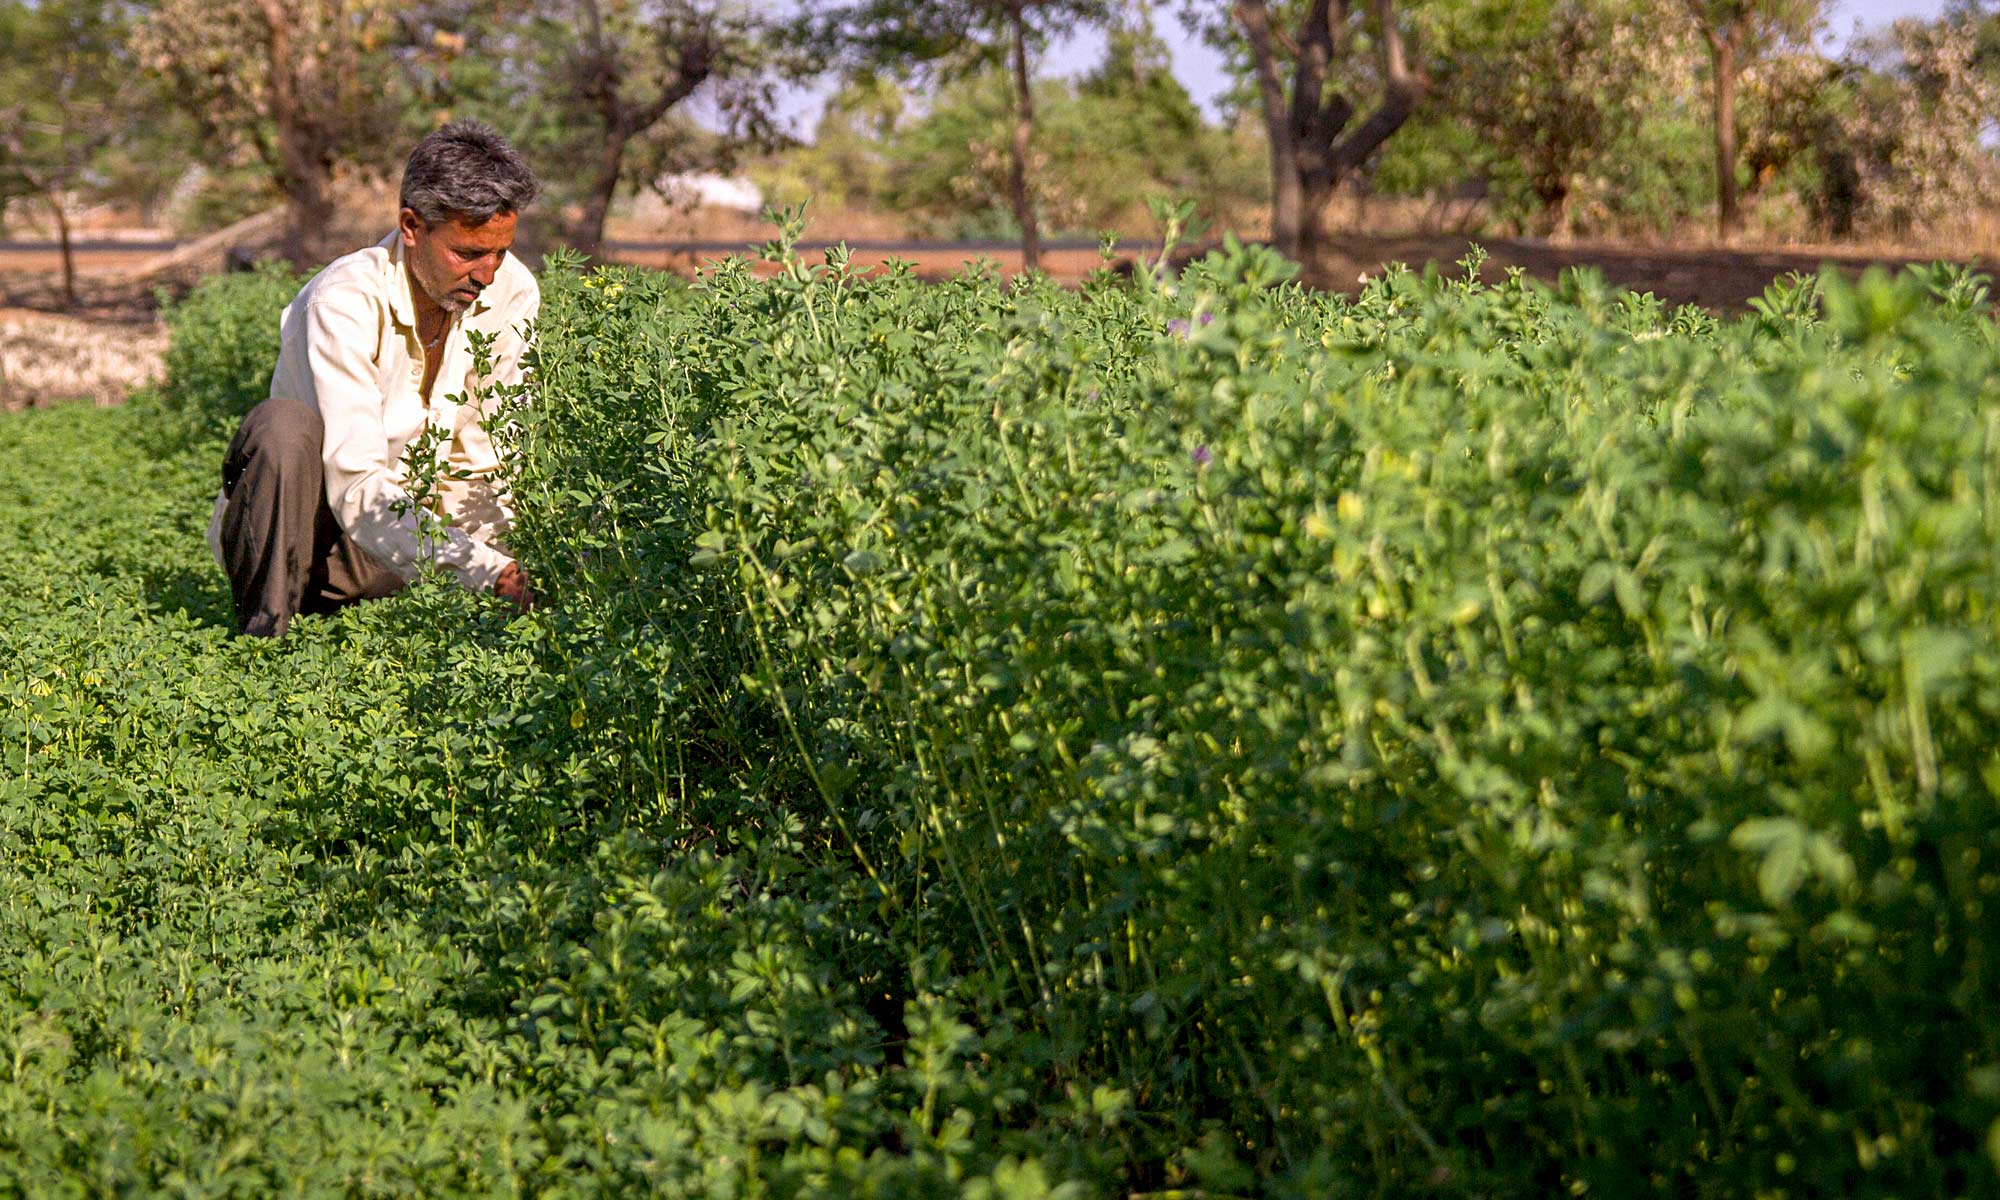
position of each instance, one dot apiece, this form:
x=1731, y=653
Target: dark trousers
x=282, y=547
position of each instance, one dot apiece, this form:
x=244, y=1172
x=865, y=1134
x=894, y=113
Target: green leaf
x=1781, y=843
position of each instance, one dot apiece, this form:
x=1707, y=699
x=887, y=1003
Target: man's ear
x=410, y=225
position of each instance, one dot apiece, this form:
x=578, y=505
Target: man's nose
x=485, y=269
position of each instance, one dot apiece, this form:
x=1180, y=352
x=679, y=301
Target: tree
x=1982, y=19
x=627, y=64
x=1562, y=97
x=845, y=163
x=1310, y=119
x=1133, y=131
x=66, y=91
x=1738, y=32
x=956, y=37
x=1104, y=145
x=1915, y=138
x=308, y=82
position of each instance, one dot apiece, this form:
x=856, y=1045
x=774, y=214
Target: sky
x=1199, y=68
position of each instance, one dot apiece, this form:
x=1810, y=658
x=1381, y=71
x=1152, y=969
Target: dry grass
x=45, y=358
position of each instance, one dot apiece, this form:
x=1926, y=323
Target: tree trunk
x=588, y=237
x=1551, y=192
x=305, y=149
x=68, y=256
x=1020, y=194
x=1316, y=197
x=599, y=71
x=1556, y=214
x=1288, y=204
x=308, y=182
x=1287, y=194
x=1729, y=222
x=1312, y=148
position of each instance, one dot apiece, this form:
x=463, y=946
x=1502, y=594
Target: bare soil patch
x=1066, y=266
x=49, y=357
x=1723, y=279
x=101, y=294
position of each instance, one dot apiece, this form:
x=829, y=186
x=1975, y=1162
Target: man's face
x=454, y=260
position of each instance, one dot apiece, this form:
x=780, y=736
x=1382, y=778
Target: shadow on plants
x=199, y=595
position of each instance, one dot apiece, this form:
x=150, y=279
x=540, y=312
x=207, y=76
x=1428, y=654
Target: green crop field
x=1186, y=738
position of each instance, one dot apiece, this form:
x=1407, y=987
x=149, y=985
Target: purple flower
x=1177, y=327
x=1201, y=456
x=1208, y=318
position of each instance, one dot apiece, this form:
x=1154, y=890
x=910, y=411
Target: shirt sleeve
x=370, y=505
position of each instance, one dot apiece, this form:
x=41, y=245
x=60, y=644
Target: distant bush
x=224, y=347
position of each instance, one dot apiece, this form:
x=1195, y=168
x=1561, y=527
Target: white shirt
x=349, y=347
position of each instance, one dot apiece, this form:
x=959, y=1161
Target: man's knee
x=282, y=422
x=281, y=432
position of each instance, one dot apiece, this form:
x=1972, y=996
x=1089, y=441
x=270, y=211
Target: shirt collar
x=398, y=286
x=400, y=304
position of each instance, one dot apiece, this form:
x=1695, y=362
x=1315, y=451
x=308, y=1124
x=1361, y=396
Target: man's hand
x=512, y=586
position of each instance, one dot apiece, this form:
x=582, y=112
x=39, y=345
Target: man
x=314, y=512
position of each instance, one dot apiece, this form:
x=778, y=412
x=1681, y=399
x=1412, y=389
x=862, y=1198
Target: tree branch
x=598, y=71
x=1395, y=61
x=1704, y=24
x=1402, y=88
x=1255, y=19
x=696, y=63
x=17, y=152
x=1315, y=58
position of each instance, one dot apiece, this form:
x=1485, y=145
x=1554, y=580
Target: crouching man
x=314, y=513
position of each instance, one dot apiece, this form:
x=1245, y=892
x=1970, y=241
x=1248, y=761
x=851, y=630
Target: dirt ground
x=1723, y=280
x=45, y=357
x=104, y=290
x=111, y=340
x=1067, y=266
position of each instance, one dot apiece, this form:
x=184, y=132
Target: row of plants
x=1182, y=735
x=1455, y=738
x=368, y=912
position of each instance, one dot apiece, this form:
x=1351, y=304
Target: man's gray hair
x=466, y=169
